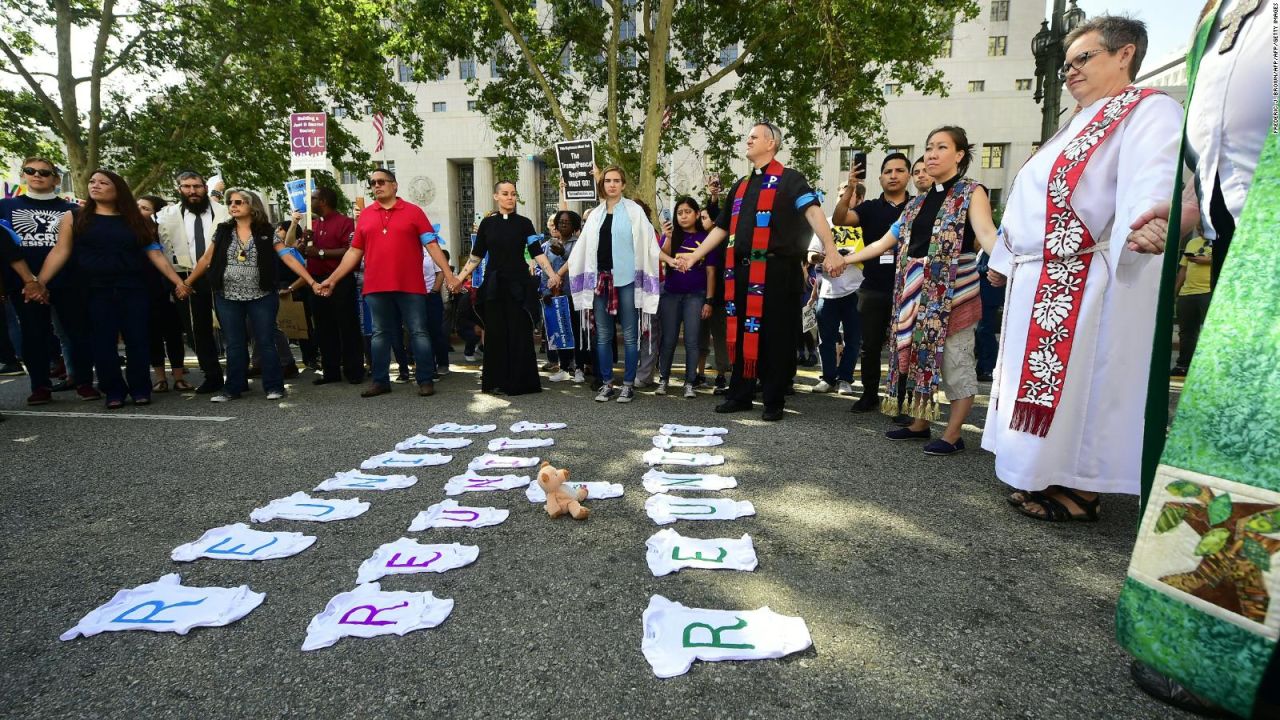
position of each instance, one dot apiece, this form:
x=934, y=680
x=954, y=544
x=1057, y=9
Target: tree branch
x=123, y=56
x=611, y=59
x=510, y=26
x=47, y=102
x=698, y=87
x=95, y=81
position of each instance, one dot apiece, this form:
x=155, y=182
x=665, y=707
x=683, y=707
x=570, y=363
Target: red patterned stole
x=756, y=269
x=1068, y=252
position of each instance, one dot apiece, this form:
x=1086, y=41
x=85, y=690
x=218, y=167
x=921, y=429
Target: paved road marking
x=112, y=416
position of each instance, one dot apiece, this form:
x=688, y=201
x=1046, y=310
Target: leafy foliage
x=199, y=84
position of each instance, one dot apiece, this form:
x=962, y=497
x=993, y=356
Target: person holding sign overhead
x=510, y=362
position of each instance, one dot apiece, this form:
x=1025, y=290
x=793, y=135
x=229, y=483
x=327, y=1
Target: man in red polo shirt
x=336, y=324
x=390, y=236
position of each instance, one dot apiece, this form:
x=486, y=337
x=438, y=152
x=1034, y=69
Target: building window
x=993, y=155
x=945, y=51
x=439, y=107
x=977, y=86
x=1023, y=83
x=998, y=45
x=999, y=10
x=350, y=178
x=467, y=69
x=627, y=34
x=892, y=89
x=471, y=106
x=996, y=195
x=404, y=71
x=846, y=157
x=388, y=164
x=728, y=54
x=339, y=112
x=904, y=149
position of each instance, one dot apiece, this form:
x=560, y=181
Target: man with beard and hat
x=186, y=228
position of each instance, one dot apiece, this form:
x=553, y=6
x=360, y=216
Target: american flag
x=377, y=127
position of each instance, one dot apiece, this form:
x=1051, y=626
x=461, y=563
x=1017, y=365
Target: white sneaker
x=221, y=398
x=606, y=393
x=845, y=388
x=559, y=376
x=628, y=394
x=662, y=388
x=689, y=392
x=469, y=358
x=822, y=387
x=275, y=395
x=578, y=377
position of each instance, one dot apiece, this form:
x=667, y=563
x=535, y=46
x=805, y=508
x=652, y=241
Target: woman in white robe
x=1093, y=443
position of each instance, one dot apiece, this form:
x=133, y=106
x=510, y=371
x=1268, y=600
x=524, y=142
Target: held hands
x=323, y=289
x=834, y=266
x=553, y=281
x=706, y=311
x=684, y=262
x=182, y=291
x=1149, y=231
x=35, y=291
x=996, y=279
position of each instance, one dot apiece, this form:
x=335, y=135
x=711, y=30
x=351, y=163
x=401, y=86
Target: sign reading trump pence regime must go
x=308, y=135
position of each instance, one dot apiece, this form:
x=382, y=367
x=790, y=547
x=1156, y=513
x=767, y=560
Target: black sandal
x=1018, y=497
x=1055, y=511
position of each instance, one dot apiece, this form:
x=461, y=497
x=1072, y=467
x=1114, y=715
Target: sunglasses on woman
x=37, y=171
x=237, y=201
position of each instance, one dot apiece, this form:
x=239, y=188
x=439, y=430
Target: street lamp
x=1050, y=53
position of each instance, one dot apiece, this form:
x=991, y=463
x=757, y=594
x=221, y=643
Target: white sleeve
x=1148, y=160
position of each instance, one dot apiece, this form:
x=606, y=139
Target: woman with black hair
x=935, y=293
x=241, y=259
x=113, y=245
x=573, y=361
x=166, y=323
x=686, y=297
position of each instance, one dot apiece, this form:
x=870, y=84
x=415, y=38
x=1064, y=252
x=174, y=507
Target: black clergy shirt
x=790, y=236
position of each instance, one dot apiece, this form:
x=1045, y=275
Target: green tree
x=206, y=84
x=609, y=70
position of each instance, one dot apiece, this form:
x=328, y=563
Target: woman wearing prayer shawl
x=1066, y=415
x=510, y=362
x=935, y=294
x=614, y=269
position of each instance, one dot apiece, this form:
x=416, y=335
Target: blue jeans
x=389, y=310
x=261, y=313
x=435, y=327
x=674, y=309
x=630, y=335
x=832, y=314
x=986, y=344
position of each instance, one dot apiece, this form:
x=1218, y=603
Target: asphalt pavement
x=926, y=595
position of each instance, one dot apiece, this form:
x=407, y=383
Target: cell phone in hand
x=666, y=215
x=860, y=164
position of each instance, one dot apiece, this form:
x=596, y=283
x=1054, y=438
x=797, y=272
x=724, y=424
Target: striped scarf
x=933, y=296
x=759, y=250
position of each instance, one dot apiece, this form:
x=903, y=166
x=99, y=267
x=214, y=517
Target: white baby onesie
x=240, y=542
x=424, y=442
x=668, y=442
x=595, y=490
x=356, y=480
x=301, y=506
x=669, y=551
x=526, y=426
x=675, y=635
x=674, y=429
x=407, y=556
x=395, y=459
x=506, y=443
x=471, y=482
x=167, y=605
x=448, y=513
x=666, y=509
x=657, y=481
x=656, y=456
x=489, y=461
x=456, y=428
x=367, y=611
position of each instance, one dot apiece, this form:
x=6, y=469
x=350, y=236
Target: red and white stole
x=1069, y=248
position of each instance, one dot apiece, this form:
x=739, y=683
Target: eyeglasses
x=1079, y=63
x=38, y=171
x=379, y=182
x=237, y=201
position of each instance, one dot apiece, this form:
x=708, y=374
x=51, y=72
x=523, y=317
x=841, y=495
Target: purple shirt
x=695, y=280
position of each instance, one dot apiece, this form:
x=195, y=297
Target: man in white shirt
x=186, y=228
x=838, y=307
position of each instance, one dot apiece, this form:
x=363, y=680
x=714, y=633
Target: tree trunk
x=650, y=144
